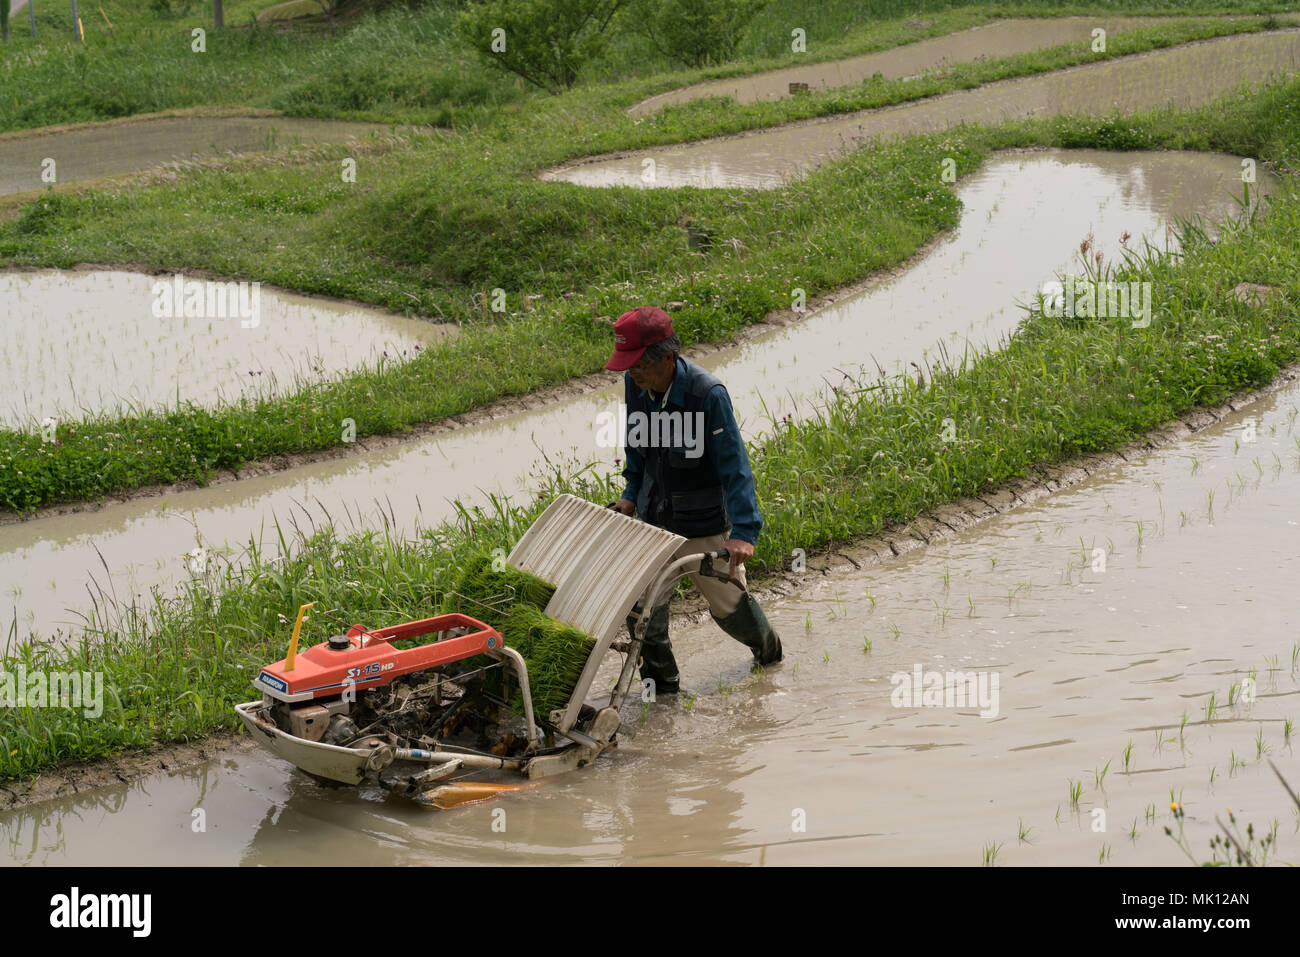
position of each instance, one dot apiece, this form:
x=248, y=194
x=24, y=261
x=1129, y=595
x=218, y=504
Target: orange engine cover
x=371, y=660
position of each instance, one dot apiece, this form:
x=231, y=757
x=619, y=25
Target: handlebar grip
x=707, y=569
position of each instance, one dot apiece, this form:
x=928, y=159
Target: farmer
x=687, y=471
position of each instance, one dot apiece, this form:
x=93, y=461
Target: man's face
x=656, y=377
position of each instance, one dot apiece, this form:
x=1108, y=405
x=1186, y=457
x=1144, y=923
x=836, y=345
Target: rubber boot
x=657, y=661
x=749, y=626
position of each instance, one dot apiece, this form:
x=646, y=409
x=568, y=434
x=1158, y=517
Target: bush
x=544, y=41
x=693, y=32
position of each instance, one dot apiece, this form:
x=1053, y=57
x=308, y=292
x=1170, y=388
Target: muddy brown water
x=114, y=149
x=111, y=341
x=1182, y=77
x=822, y=761
x=1024, y=215
x=991, y=41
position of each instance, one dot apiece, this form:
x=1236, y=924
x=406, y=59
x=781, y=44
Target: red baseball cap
x=634, y=332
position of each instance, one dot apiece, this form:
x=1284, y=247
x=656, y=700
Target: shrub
x=693, y=32
x=544, y=41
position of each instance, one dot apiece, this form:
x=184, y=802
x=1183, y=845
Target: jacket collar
x=676, y=391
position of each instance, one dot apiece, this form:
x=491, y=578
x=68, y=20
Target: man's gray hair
x=657, y=351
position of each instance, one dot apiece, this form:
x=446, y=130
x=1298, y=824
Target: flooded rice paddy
x=1109, y=613
x=85, y=343
x=39, y=159
x=991, y=41
x=1014, y=234
x=1183, y=77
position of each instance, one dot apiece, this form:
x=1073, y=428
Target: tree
x=4, y=19
x=544, y=41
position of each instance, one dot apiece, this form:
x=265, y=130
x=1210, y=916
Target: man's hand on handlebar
x=739, y=551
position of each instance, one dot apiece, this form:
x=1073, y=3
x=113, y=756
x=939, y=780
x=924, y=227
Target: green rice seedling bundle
x=502, y=588
x=556, y=654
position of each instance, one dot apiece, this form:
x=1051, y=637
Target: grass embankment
x=402, y=65
x=872, y=457
x=434, y=229
x=407, y=65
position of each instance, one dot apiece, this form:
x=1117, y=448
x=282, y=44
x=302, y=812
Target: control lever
x=724, y=574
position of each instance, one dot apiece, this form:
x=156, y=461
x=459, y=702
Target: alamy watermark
x=946, y=689
x=76, y=909
x=1086, y=299
x=683, y=431
x=204, y=299
x=53, y=689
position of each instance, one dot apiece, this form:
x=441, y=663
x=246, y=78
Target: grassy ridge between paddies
x=433, y=230
x=678, y=122
x=873, y=456
x=406, y=64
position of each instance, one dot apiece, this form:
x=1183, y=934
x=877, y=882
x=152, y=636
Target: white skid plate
x=324, y=760
x=601, y=562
